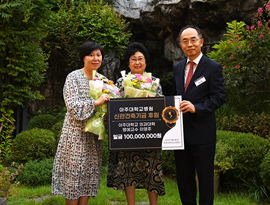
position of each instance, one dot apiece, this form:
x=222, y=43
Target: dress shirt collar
x=196, y=60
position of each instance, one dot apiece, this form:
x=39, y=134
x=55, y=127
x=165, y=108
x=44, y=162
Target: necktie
x=190, y=73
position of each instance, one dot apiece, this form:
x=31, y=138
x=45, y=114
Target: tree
x=244, y=53
x=71, y=26
x=22, y=62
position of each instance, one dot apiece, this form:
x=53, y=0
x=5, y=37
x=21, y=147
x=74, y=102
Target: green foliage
x=247, y=151
x=72, y=25
x=7, y=181
x=57, y=130
x=223, y=161
x=168, y=163
x=7, y=129
x=258, y=124
x=33, y=144
x=244, y=53
x=22, y=62
x=46, y=121
x=37, y=172
x=168, y=78
x=61, y=115
x=265, y=170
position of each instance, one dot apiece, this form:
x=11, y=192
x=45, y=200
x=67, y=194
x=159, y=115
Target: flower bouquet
x=98, y=86
x=139, y=85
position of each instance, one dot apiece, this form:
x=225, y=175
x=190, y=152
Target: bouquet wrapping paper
x=99, y=86
x=137, y=85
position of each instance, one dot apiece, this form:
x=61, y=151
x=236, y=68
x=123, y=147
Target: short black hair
x=186, y=27
x=88, y=47
x=134, y=47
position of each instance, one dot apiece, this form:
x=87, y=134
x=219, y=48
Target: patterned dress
x=77, y=163
x=142, y=169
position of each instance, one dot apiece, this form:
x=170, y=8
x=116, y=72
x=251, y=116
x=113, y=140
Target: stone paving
x=3, y=201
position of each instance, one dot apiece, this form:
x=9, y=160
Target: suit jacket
x=200, y=127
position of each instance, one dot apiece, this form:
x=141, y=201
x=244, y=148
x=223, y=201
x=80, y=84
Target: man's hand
x=186, y=106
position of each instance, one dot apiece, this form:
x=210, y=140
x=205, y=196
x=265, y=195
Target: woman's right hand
x=102, y=99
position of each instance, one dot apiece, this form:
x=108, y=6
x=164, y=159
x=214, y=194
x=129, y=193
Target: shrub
x=255, y=123
x=42, y=121
x=247, y=151
x=33, y=144
x=258, y=124
x=7, y=180
x=265, y=170
x=244, y=54
x=222, y=162
x=168, y=163
x=61, y=114
x=37, y=172
x=57, y=130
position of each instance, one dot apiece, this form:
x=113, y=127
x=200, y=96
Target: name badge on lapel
x=200, y=81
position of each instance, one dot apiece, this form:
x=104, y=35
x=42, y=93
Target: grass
x=41, y=196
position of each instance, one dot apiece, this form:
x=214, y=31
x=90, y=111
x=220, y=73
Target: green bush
x=168, y=163
x=247, y=151
x=33, y=144
x=37, y=172
x=265, y=170
x=258, y=124
x=57, y=130
x=223, y=161
x=244, y=55
x=42, y=121
x=8, y=183
x=61, y=114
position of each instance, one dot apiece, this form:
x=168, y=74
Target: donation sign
x=145, y=123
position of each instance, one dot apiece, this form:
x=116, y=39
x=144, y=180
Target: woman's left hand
x=149, y=95
x=102, y=99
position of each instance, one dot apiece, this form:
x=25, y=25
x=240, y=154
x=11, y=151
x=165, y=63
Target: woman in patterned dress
x=130, y=170
x=77, y=163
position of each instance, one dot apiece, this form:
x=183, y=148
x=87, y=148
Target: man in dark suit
x=199, y=80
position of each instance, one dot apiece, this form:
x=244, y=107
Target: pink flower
x=224, y=67
x=231, y=57
x=251, y=27
x=267, y=7
x=260, y=23
x=252, y=44
x=260, y=10
x=237, y=66
x=236, y=39
x=139, y=76
x=148, y=80
x=247, y=26
x=261, y=36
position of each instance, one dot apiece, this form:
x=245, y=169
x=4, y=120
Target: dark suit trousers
x=201, y=159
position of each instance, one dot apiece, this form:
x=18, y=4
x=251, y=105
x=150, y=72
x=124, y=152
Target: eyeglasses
x=192, y=41
x=134, y=60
